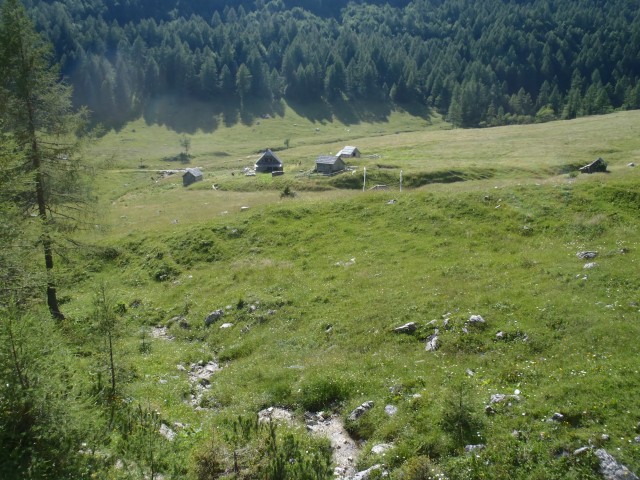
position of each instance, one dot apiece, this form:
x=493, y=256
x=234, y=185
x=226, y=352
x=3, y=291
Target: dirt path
x=345, y=449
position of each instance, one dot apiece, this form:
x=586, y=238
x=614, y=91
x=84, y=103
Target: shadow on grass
x=188, y=115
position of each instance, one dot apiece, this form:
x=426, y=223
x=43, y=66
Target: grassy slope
x=502, y=245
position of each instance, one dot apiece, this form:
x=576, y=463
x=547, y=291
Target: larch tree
x=37, y=112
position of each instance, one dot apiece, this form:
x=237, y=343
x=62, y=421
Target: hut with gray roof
x=349, y=152
x=268, y=162
x=191, y=175
x=329, y=164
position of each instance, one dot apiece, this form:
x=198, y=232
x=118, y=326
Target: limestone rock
x=213, y=317
x=433, y=343
x=366, y=474
x=587, y=255
x=473, y=448
x=611, y=469
x=391, y=410
x=167, y=433
x=476, y=320
x=406, y=328
x=361, y=410
x=381, y=448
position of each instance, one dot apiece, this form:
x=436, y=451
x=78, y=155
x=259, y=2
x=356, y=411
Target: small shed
x=598, y=165
x=328, y=164
x=349, y=152
x=268, y=162
x=191, y=175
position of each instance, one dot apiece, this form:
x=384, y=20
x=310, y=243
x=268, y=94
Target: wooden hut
x=349, y=152
x=268, y=163
x=328, y=164
x=191, y=175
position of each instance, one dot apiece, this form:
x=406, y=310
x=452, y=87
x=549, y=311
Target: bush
x=321, y=393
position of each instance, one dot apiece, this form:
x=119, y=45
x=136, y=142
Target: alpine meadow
x=319, y=239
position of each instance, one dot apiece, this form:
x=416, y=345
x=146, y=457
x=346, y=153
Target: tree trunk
x=52, y=297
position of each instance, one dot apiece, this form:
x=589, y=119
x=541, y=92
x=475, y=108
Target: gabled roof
x=268, y=158
x=196, y=172
x=348, y=150
x=327, y=159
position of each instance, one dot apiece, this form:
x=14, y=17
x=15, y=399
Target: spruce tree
x=37, y=112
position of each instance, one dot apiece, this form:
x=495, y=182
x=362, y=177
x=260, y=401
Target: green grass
x=500, y=241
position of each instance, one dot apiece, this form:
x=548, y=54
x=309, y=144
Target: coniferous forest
x=479, y=63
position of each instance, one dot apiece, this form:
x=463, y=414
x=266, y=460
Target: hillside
x=480, y=64
x=312, y=287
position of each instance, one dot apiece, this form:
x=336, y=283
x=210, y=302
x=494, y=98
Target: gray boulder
x=433, y=343
x=213, y=317
x=611, y=469
x=473, y=448
x=391, y=410
x=587, y=255
x=366, y=474
x=406, y=328
x=361, y=410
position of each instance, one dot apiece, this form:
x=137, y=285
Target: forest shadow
x=188, y=115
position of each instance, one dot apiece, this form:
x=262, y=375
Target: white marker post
x=364, y=180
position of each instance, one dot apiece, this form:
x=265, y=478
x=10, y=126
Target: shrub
x=321, y=393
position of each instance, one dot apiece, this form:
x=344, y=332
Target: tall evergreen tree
x=38, y=113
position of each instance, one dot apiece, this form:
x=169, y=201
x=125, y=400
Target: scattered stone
x=226, y=325
x=366, y=474
x=348, y=263
x=587, y=255
x=181, y=368
x=361, y=410
x=581, y=450
x=517, y=434
x=598, y=165
x=244, y=208
x=381, y=448
x=470, y=372
x=611, y=469
x=406, y=328
x=500, y=335
x=557, y=417
x=445, y=324
x=489, y=410
x=391, y=410
x=631, y=164
x=476, y=320
x=590, y=265
x=276, y=415
x=392, y=201
x=167, y=433
x=604, y=437
x=271, y=312
x=161, y=332
x=637, y=439
x=473, y=448
x=433, y=343
x=200, y=374
x=502, y=397
x=213, y=317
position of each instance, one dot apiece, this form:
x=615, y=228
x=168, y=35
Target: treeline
x=480, y=63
